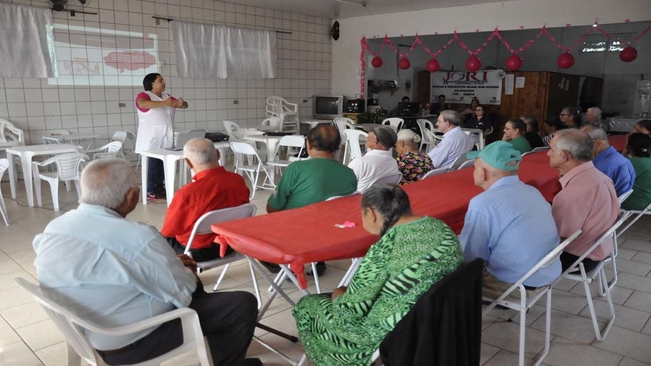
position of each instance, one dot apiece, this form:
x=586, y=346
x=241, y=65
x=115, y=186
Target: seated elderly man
x=592, y=117
x=510, y=238
x=587, y=200
x=314, y=180
x=213, y=188
x=608, y=161
x=113, y=272
x=379, y=161
x=455, y=142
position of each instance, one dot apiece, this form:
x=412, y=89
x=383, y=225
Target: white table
x=270, y=141
x=169, y=158
x=26, y=153
x=480, y=133
x=74, y=139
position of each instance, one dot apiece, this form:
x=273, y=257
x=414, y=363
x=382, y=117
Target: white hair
x=200, y=151
x=577, y=143
x=105, y=182
x=409, y=137
x=596, y=111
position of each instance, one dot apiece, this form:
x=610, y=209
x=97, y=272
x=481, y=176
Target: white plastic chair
x=122, y=137
x=342, y=125
x=79, y=347
x=395, y=123
x=427, y=140
x=387, y=179
x=110, y=150
x=252, y=171
x=50, y=140
x=353, y=141
x=287, y=113
x=4, y=165
x=543, y=148
x=435, y=172
x=68, y=168
x=271, y=124
x=458, y=162
x=203, y=226
x=10, y=135
x=467, y=164
x=288, y=142
x=598, y=272
x=525, y=303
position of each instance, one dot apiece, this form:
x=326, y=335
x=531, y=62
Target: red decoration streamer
x=496, y=33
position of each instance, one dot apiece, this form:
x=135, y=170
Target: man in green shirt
x=314, y=180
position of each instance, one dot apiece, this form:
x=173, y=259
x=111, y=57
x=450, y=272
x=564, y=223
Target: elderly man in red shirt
x=213, y=188
x=587, y=201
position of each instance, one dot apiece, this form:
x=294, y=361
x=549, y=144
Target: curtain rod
x=170, y=19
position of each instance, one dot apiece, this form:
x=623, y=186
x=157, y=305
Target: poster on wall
x=459, y=87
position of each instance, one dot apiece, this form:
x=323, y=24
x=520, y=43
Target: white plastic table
x=169, y=158
x=480, y=133
x=74, y=139
x=26, y=154
x=270, y=141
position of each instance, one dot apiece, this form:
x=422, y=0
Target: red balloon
x=565, y=61
x=433, y=65
x=473, y=63
x=628, y=54
x=514, y=63
x=404, y=63
x=376, y=61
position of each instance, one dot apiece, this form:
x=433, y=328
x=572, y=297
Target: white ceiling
x=338, y=10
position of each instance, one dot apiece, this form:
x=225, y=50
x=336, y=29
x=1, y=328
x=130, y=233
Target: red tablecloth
x=617, y=141
x=309, y=234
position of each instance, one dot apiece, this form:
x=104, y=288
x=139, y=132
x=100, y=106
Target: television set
x=329, y=106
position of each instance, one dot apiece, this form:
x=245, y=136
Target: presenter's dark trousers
x=227, y=320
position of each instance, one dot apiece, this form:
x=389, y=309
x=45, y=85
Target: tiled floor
x=28, y=338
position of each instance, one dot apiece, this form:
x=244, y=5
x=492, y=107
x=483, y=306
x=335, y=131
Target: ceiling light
x=363, y=4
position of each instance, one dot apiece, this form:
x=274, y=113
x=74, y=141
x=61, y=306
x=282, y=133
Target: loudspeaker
x=334, y=31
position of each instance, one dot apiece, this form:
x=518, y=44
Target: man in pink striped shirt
x=587, y=201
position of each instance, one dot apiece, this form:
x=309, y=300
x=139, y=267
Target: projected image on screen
x=91, y=56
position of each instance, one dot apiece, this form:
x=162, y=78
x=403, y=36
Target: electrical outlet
x=122, y=105
x=236, y=101
x=304, y=100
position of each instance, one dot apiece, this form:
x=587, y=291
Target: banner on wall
x=459, y=87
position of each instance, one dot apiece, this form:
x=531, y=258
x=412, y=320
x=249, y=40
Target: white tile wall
x=304, y=69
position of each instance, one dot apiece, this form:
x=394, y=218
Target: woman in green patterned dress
x=414, y=252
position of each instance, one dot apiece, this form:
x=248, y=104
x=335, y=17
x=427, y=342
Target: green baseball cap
x=500, y=155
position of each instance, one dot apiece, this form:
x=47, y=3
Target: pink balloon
x=628, y=54
x=433, y=65
x=404, y=63
x=514, y=63
x=473, y=63
x=565, y=61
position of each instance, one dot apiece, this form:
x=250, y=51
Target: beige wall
x=485, y=17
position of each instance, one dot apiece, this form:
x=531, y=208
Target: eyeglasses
x=564, y=114
x=479, y=110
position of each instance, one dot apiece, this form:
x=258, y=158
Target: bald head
x=324, y=138
x=201, y=154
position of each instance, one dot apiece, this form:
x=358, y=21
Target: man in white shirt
x=455, y=142
x=379, y=161
x=113, y=272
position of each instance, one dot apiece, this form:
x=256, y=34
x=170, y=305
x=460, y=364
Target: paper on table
x=508, y=84
x=519, y=82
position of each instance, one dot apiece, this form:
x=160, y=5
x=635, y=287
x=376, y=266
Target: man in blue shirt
x=510, y=225
x=114, y=272
x=608, y=161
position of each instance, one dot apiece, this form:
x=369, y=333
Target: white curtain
x=209, y=51
x=26, y=42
